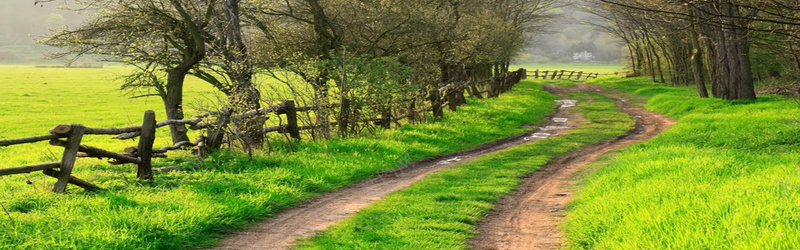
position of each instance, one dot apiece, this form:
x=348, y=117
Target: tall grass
x=192, y=207
x=727, y=176
x=440, y=211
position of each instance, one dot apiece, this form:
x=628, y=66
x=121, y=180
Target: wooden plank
x=177, y=146
x=112, y=131
x=144, y=170
x=257, y=112
x=72, y=180
x=10, y=142
x=98, y=152
x=177, y=122
x=130, y=135
x=61, y=129
x=29, y=168
x=68, y=158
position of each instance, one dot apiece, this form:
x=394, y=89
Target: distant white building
x=584, y=56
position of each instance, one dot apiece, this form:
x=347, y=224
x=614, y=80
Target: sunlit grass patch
x=725, y=176
x=192, y=207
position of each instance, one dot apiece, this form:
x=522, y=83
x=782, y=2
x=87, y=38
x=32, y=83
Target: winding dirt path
x=281, y=231
x=529, y=218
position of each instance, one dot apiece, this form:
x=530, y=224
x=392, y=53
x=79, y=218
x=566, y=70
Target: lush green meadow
x=191, y=207
x=588, y=68
x=727, y=176
x=34, y=99
x=440, y=211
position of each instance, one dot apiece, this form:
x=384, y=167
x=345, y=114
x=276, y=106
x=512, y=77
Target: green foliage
x=725, y=176
x=440, y=211
x=191, y=207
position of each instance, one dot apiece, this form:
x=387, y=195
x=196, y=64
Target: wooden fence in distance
x=567, y=74
x=143, y=154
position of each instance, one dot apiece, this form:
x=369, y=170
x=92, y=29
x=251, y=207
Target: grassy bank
x=440, y=211
x=726, y=176
x=189, y=208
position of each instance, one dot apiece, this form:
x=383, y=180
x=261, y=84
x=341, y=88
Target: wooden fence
x=70, y=136
x=567, y=74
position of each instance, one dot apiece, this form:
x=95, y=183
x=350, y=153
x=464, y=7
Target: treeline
x=362, y=58
x=730, y=43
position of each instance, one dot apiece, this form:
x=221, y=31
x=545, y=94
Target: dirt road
x=303, y=221
x=529, y=218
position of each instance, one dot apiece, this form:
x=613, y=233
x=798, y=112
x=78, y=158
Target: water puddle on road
x=567, y=103
x=451, y=160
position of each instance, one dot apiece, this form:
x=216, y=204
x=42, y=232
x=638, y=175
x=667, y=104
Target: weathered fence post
x=580, y=74
x=553, y=76
x=536, y=74
x=452, y=98
x=144, y=171
x=436, y=102
x=386, y=119
x=570, y=75
x=216, y=134
x=545, y=75
x=291, y=119
x=344, y=116
x=70, y=153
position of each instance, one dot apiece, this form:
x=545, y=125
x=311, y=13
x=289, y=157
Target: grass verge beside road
x=726, y=176
x=440, y=211
x=190, y=208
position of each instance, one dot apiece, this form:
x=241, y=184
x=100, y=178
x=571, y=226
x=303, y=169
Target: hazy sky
x=22, y=22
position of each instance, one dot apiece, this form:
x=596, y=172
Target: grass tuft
x=725, y=176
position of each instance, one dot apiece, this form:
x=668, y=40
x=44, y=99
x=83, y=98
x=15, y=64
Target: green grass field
x=440, y=211
x=190, y=208
x=727, y=176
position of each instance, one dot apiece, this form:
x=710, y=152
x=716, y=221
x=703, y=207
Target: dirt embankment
x=529, y=218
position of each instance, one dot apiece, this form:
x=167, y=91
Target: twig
x=9, y=214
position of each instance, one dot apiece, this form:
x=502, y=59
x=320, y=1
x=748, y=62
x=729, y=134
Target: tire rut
x=282, y=231
x=529, y=217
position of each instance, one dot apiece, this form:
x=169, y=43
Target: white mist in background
x=584, y=56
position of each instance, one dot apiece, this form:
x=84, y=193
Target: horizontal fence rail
x=70, y=137
x=568, y=74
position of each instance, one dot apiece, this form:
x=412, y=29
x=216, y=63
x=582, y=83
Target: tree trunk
x=244, y=95
x=173, y=104
x=698, y=69
x=729, y=50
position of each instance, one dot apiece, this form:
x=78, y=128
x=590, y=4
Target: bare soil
x=281, y=231
x=530, y=217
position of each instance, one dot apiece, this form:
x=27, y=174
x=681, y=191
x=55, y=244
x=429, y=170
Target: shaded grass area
x=440, y=211
x=191, y=207
x=726, y=176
